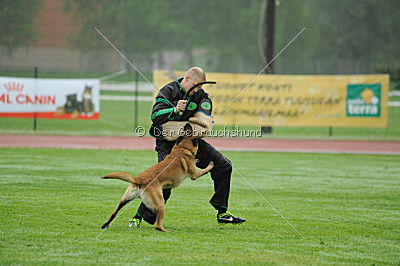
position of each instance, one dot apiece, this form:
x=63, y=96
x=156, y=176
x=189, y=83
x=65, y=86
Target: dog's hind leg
x=159, y=208
x=131, y=193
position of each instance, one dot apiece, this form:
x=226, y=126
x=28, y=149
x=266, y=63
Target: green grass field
x=346, y=206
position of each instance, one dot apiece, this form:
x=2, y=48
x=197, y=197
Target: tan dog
x=169, y=173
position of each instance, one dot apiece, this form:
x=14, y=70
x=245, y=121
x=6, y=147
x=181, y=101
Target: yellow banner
x=294, y=100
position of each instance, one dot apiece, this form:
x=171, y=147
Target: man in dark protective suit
x=170, y=106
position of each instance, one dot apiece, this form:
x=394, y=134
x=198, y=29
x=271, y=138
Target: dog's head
x=187, y=141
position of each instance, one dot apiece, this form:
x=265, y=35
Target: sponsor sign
x=363, y=100
x=49, y=98
x=295, y=100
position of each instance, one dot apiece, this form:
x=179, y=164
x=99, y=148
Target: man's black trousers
x=220, y=174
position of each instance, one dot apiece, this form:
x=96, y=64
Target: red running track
x=260, y=145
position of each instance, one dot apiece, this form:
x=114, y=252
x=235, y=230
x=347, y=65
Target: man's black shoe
x=228, y=218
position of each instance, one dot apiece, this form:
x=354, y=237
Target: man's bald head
x=195, y=74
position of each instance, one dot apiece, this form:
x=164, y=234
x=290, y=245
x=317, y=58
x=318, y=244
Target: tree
x=130, y=25
x=228, y=33
x=17, y=28
x=343, y=36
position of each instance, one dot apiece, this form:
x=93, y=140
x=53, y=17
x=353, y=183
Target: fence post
x=270, y=11
x=136, y=99
x=34, y=114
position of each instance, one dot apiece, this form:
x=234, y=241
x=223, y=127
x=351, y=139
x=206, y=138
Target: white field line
x=149, y=99
x=125, y=98
x=125, y=86
x=123, y=71
x=394, y=93
x=110, y=123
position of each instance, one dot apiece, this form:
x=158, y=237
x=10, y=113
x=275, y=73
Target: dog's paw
x=161, y=229
x=211, y=165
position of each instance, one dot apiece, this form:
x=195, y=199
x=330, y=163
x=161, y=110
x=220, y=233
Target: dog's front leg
x=159, y=206
x=194, y=174
x=152, y=197
x=159, y=218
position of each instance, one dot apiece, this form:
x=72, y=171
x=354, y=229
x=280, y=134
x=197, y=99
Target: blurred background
x=236, y=36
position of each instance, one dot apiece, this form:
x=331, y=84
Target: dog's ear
x=188, y=130
x=179, y=140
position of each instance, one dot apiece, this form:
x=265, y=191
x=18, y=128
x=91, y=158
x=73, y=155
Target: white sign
x=49, y=98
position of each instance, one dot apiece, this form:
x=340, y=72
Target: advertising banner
x=295, y=100
x=49, y=98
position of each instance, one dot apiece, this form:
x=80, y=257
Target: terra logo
x=14, y=86
x=363, y=100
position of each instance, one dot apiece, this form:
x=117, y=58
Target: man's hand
x=181, y=106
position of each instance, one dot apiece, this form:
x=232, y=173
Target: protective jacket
x=168, y=97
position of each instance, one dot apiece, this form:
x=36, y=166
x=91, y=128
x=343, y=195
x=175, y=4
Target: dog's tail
x=121, y=176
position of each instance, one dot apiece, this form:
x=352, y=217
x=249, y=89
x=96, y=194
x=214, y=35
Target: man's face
x=192, y=83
